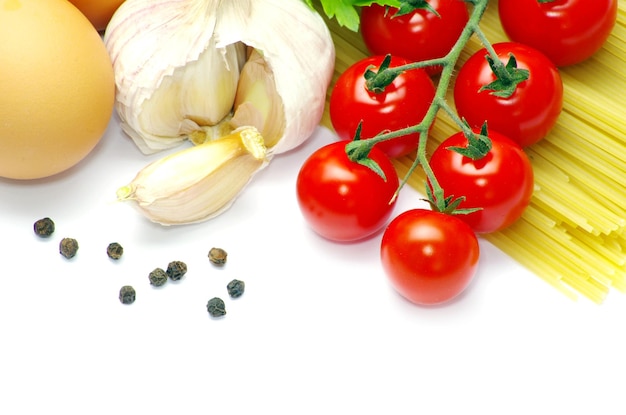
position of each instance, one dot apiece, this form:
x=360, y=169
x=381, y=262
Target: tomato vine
x=430, y=255
x=507, y=96
x=508, y=77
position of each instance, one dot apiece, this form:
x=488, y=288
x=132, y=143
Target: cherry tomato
x=429, y=257
x=566, y=31
x=501, y=183
x=342, y=200
x=402, y=104
x=419, y=35
x=529, y=113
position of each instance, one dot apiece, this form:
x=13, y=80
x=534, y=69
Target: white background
x=318, y=330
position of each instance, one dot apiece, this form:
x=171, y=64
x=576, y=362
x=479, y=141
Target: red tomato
x=529, y=113
x=419, y=35
x=501, y=183
x=402, y=104
x=566, y=31
x=342, y=200
x=429, y=257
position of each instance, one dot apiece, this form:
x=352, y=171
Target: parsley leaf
x=346, y=11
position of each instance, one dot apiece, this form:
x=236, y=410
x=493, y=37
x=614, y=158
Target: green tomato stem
x=448, y=62
x=499, y=67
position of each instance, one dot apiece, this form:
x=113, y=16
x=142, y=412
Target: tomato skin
x=501, y=183
x=529, y=113
x=417, y=36
x=403, y=104
x=342, y=200
x=429, y=257
x=566, y=31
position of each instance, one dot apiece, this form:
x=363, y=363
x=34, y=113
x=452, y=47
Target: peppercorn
x=44, y=227
x=217, y=256
x=176, y=270
x=115, y=250
x=127, y=294
x=216, y=307
x=236, y=288
x=68, y=247
x=158, y=277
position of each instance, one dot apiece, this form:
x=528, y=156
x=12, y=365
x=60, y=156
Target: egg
x=57, y=88
x=99, y=12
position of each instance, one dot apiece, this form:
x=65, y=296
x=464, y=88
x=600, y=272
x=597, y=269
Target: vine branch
x=385, y=75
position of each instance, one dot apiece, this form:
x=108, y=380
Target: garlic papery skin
x=297, y=46
x=197, y=183
x=178, y=65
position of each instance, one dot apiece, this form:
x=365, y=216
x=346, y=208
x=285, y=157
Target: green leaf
x=346, y=11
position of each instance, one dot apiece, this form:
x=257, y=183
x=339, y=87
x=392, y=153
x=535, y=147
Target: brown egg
x=57, y=88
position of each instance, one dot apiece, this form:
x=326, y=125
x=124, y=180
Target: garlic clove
x=257, y=102
x=196, y=96
x=199, y=182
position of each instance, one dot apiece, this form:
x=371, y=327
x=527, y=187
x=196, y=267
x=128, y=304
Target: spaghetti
x=573, y=234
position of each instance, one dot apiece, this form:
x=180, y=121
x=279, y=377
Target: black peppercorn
x=44, y=227
x=236, y=288
x=216, y=307
x=68, y=247
x=158, y=277
x=127, y=294
x=115, y=250
x=217, y=256
x=176, y=270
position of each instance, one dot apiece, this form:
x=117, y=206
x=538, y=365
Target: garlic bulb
x=178, y=63
x=198, y=70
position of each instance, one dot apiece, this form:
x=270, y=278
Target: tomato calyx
x=508, y=76
x=448, y=205
x=377, y=81
x=409, y=6
x=358, y=151
x=478, y=145
x=545, y=1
